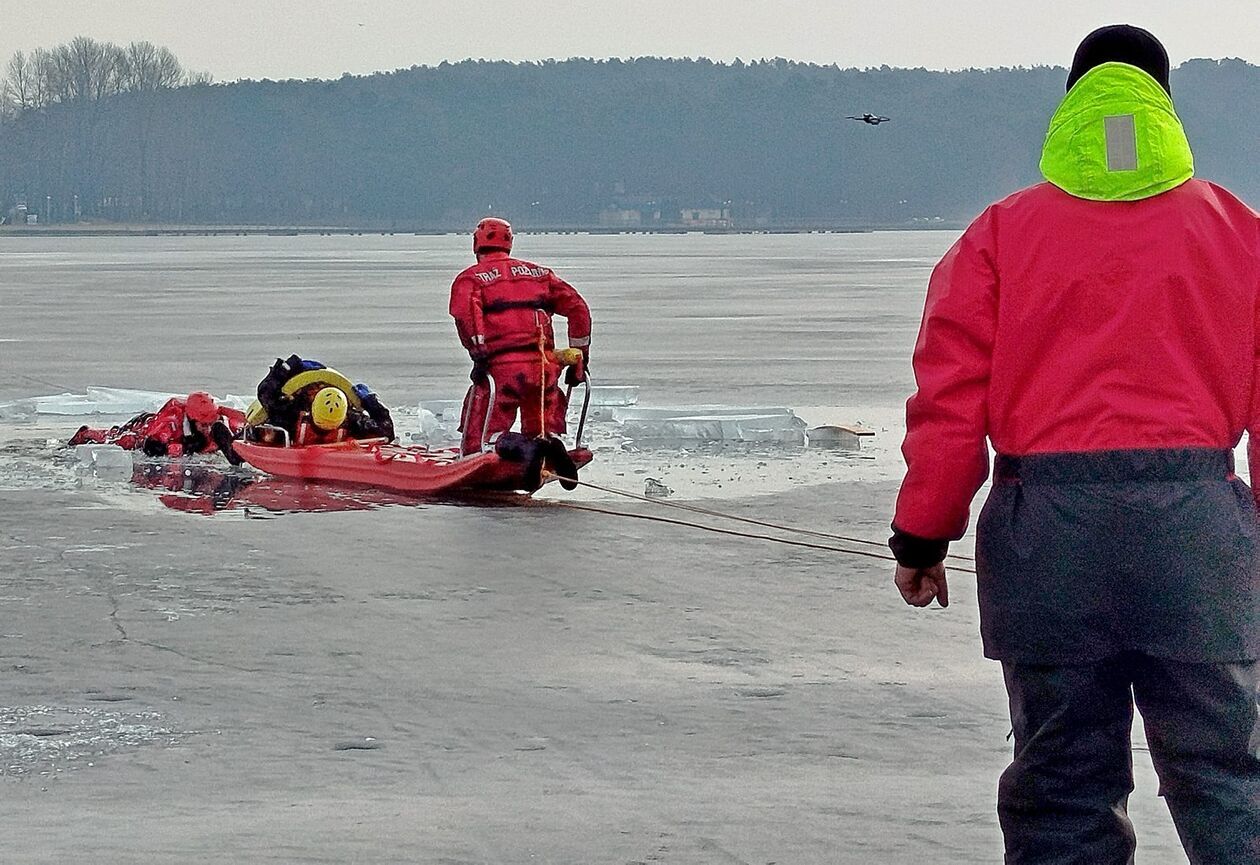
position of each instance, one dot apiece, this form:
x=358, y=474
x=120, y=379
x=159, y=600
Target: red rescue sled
x=416, y=470
x=411, y=469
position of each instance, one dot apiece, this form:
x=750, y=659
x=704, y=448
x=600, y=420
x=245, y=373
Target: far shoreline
x=167, y=230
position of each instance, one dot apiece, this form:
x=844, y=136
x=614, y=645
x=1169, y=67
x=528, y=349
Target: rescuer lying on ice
x=502, y=308
x=321, y=413
x=195, y=425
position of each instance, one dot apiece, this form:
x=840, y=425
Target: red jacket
x=1057, y=324
x=170, y=425
x=495, y=302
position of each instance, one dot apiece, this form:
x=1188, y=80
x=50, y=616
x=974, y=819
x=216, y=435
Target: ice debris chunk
x=654, y=488
x=605, y=399
x=838, y=437
x=614, y=394
x=439, y=421
x=105, y=461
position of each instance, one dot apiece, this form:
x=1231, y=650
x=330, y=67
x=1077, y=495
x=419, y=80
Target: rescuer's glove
x=576, y=373
x=222, y=437
x=154, y=447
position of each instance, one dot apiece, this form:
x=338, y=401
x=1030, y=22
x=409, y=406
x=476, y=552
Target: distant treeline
x=578, y=142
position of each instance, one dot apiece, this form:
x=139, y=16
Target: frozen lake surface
x=820, y=323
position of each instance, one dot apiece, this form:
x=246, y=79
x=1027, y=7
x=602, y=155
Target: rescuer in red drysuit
x=181, y=426
x=1102, y=331
x=369, y=419
x=502, y=308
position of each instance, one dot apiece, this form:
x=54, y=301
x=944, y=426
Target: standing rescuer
x=502, y=308
x=1101, y=329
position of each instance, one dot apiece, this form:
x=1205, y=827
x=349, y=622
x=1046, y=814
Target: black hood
x=1121, y=43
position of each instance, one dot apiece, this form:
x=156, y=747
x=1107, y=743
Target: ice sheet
x=96, y=400
x=105, y=461
x=773, y=428
x=434, y=429
x=612, y=395
x=711, y=423
x=670, y=412
x=438, y=422
x=615, y=412
x=443, y=408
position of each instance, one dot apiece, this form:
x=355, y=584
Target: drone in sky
x=872, y=119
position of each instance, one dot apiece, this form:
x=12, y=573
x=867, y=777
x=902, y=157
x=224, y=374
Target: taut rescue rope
x=720, y=515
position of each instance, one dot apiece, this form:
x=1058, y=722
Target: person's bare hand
x=920, y=586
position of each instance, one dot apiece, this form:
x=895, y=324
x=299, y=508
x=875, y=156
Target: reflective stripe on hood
x=1116, y=137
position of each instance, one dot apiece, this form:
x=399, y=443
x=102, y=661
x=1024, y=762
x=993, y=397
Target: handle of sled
x=573, y=357
x=485, y=424
x=586, y=404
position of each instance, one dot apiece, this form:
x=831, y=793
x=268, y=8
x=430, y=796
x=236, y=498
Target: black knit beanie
x=1121, y=43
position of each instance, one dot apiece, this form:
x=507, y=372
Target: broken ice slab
x=95, y=400
x=668, y=412
x=611, y=395
x=439, y=422
x=108, y=462
x=102, y=455
x=712, y=424
x=734, y=428
x=18, y=409
x=433, y=429
x=110, y=401
x=446, y=409
x=605, y=399
x=618, y=404
x=106, y=400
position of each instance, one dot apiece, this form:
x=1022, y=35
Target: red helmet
x=201, y=407
x=492, y=234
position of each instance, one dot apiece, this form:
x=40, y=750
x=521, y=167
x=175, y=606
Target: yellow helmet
x=328, y=409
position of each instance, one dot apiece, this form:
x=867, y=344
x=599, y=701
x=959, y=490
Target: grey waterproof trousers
x=1112, y=578
x=1062, y=801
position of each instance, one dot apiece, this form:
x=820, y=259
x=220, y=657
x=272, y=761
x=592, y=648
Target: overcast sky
x=317, y=38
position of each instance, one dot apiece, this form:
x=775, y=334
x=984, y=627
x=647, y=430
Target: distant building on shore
x=620, y=217
x=705, y=217
x=18, y=214
x=630, y=211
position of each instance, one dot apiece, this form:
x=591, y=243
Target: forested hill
x=579, y=142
